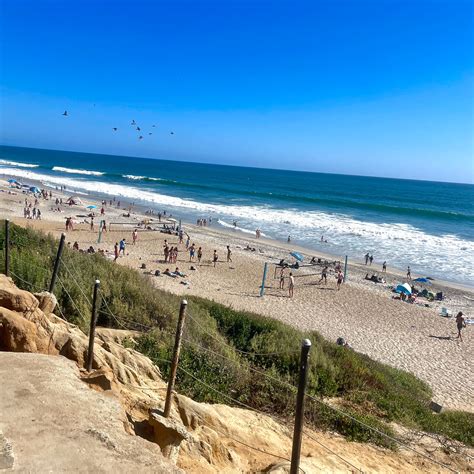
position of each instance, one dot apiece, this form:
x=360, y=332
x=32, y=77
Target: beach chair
x=445, y=313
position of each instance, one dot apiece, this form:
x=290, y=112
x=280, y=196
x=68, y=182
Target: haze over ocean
x=427, y=225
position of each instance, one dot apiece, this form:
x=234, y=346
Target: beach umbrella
x=91, y=207
x=297, y=255
x=11, y=180
x=35, y=190
x=405, y=288
x=423, y=280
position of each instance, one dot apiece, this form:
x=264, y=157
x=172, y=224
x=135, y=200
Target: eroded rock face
x=26, y=327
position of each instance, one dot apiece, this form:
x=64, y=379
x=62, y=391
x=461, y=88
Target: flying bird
x=133, y=122
x=171, y=133
x=115, y=129
x=140, y=137
x=150, y=133
x=138, y=128
x=65, y=113
x=153, y=126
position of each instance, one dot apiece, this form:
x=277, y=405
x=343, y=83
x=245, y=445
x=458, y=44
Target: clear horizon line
x=241, y=166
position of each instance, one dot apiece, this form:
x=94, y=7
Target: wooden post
x=90, y=353
x=57, y=263
x=299, y=415
x=174, y=362
x=264, y=277
x=7, y=247
x=345, y=269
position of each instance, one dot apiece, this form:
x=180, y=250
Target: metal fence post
x=90, y=353
x=7, y=247
x=299, y=415
x=57, y=263
x=174, y=362
x=264, y=277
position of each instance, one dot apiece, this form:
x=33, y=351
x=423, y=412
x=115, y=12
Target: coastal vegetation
x=236, y=357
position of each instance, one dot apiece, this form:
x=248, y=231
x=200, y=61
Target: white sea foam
x=136, y=178
x=131, y=176
x=240, y=229
x=74, y=171
x=14, y=163
x=445, y=256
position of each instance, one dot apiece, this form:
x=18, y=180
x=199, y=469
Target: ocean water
x=427, y=225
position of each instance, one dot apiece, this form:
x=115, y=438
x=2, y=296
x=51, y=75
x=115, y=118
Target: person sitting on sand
x=75, y=245
x=460, y=324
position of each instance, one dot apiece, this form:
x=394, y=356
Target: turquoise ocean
x=427, y=225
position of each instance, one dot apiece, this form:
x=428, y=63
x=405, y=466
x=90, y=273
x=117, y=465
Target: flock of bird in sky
x=132, y=123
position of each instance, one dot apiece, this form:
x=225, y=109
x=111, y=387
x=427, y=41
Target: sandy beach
x=413, y=337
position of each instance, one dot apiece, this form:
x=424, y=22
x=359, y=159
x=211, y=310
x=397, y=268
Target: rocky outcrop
x=200, y=437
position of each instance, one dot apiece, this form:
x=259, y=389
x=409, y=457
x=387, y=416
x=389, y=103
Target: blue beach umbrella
x=405, y=288
x=35, y=190
x=91, y=207
x=423, y=280
x=297, y=255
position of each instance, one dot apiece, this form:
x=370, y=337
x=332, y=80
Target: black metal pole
x=57, y=263
x=7, y=247
x=299, y=415
x=174, y=362
x=90, y=353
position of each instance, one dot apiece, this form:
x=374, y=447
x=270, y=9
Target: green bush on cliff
x=235, y=354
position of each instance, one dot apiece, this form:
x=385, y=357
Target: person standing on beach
x=324, y=275
x=229, y=253
x=215, y=258
x=92, y=224
x=166, y=252
x=384, y=267
x=288, y=239
x=291, y=285
x=371, y=259
x=134, y=236
x=408, y=273
x=367, y=258
x=460, y=324
x=116, y=251
x=199, y=255
x=282, y=278
x=122, y=247
x=340, y=279
x=192, y=251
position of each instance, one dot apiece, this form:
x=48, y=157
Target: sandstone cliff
x=118, y=426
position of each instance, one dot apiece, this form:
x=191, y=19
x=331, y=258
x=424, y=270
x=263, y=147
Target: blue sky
x=381, y=88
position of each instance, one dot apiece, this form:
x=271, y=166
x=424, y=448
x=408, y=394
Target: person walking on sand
x=229, y=253
x=291, y=285
x=408, y=273
x=367, y=258
x=288, y=239
x=215, y=258
x=460, y=324
x=384, y=267
x=199, y=255
x=134, y=236
x=192, y=251
x=116, y=251
x=340, y=279
x=92, y=224
x=371, y=259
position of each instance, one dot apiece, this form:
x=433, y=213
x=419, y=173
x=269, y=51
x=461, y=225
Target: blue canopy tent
x=423, y=280
x=405, y=288
x=35, y=190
